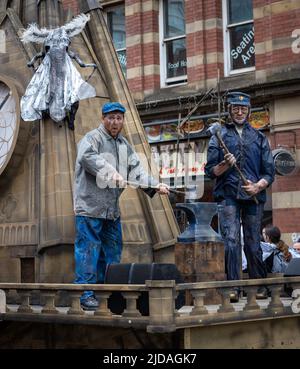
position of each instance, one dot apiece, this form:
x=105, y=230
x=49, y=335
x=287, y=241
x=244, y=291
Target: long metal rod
x=177, y=149
x=136, y=184
x=184, y=120
x=219, y=98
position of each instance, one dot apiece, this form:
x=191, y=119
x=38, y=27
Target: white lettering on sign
x=179, y=64
x=286, y=163
x=239, y=50
x=296, y=43
x=2, y=42
x=122, y=59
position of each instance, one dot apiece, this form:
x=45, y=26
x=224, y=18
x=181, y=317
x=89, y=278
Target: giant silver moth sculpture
x=57, y=86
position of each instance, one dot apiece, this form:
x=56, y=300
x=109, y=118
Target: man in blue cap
x=105, y=161
x=250, y=150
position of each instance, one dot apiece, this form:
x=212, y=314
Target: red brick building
x=171, y=51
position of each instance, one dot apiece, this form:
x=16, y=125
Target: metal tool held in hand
x=215, y=130
x=136, y=184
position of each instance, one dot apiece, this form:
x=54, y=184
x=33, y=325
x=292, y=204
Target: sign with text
x=242, y=50
x=176, y=58
x=187, y=161
x=123, y=60
x=284, y=162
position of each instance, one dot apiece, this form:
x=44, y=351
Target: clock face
x=9, y=122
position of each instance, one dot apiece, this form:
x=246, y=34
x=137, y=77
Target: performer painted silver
x=57, y=86
x=249, y=150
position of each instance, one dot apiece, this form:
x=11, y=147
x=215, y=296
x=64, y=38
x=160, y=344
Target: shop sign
x=259, y=119
x=284, y=162
x=242, y=48
x=173, y=162
x=167, y=132
x=195, y=168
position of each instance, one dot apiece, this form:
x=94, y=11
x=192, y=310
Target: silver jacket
x=99, y=157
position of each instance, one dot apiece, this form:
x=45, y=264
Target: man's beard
x=240, y=122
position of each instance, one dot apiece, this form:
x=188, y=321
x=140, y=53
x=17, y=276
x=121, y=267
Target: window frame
x=107, y=10
x=164, y=81
x=228, y=71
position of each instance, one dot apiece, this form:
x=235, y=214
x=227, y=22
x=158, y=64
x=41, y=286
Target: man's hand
x=229, y=159
x=162, y=189
x=119, y=179
x=228, y=162
x=254, y=188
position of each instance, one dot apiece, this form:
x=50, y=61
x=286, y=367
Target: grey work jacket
x=99, y=157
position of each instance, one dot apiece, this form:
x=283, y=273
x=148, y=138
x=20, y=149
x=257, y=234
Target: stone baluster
x=251, y=304
x=103, y=309
x=131, y=301
x=75, y=308
x=3, y=306
x=199, y=307
x=25, y=305
x=295, y=306
x=275, y=305
x=7, y=308
x=226, y=306
x=49, y=307
x=8, y=294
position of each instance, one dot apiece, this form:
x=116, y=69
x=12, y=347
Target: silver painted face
x=239, y=113
x=56, y=84
x=58, y=38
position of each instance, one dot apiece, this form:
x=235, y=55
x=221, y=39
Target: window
x=173, y=42
x=116, y=26
x=239, y=49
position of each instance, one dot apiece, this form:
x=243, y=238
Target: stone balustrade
x=47, y=309
x=279, y=303
x=160, y=297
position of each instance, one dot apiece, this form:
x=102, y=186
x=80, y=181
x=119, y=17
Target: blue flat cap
x=112, y=106
x=238, y=98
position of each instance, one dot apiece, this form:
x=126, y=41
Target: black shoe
x=262, y=293
x=90, y=303
x=234, y=296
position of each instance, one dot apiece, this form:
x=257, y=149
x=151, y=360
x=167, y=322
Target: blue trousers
x=98, y=243
x=232, y=214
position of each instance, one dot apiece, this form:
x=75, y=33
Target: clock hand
x=5, y=100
